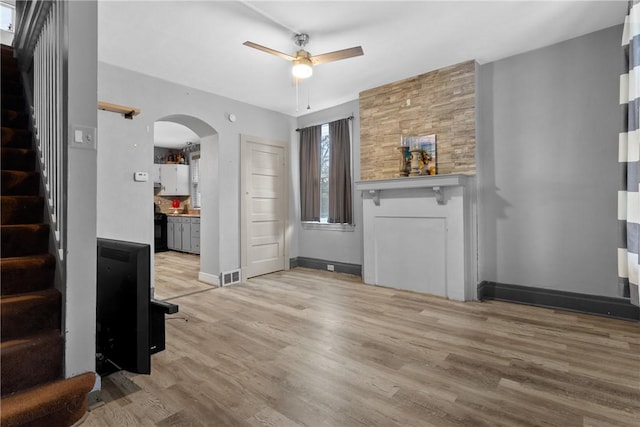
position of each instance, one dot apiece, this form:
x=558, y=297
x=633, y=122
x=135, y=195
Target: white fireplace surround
x=420, y=234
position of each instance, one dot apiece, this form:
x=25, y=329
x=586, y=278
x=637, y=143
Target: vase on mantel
x=416, y=158
x=403, y=165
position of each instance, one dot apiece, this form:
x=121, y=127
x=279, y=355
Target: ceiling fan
x=303, y=61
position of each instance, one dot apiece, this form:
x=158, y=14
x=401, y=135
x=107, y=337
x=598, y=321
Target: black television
x=122, y=312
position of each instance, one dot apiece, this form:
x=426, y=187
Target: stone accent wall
x=440, y=102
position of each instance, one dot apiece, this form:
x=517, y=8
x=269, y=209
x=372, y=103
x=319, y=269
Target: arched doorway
x=208, y=186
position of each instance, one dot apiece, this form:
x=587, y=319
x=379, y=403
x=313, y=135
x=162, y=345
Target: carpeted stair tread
x=19, y=183
x=27, y=362
x=10, y=69
x=7, y=56
x=23, y=239
x=11, y=87
x=19, y=275
x=28, y=314
x=13, y=102
x=17, y=159
x=11, y=72
x=21, y=209
x=14, y=119
x=59, y=403
x=15, y=137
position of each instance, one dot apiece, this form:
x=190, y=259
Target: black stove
x=160, y=232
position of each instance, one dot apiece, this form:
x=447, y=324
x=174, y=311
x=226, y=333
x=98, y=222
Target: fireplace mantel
x=438, y=183
x=420, y=234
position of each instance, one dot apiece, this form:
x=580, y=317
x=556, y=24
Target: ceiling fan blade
x=337, y=55
x=269, y=50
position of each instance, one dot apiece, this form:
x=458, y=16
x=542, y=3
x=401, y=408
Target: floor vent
x=230, y=277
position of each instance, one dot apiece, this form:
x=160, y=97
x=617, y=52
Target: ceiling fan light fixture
x=302, y=68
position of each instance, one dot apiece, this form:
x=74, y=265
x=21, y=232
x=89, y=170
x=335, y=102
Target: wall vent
x=229, y=277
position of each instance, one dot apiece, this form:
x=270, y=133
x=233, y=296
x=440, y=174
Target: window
x=194, y=167
x=325, y=174
x=7, y=17
x=325, y=153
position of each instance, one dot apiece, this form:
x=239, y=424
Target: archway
x=209, y=190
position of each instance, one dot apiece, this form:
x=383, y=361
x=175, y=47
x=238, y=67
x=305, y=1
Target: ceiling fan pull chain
x=297, y=96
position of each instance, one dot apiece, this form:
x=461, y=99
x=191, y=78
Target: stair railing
x=42, y=54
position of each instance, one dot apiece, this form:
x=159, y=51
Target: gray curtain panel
x=629, y=157
x=340, y=210
x=310, y=173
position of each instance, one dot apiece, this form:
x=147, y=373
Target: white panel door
x=264, y=207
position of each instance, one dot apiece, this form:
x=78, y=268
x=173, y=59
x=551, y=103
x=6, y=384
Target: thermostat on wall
x=140, y=176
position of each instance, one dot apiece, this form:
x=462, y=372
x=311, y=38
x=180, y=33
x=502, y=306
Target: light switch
x=83, y=137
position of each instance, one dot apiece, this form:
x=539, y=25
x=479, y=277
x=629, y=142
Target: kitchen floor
x=176, y=274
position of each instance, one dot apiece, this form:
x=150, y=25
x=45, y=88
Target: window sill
x=310, y=225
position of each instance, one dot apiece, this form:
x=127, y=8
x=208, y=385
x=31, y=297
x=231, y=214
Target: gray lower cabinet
x=171, y=224
x=183, y=234
x=195, y=235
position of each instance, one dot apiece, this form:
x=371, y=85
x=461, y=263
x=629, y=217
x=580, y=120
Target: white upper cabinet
x=174, y=179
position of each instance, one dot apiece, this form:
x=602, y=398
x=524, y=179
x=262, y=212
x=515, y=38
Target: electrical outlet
x=330, y=267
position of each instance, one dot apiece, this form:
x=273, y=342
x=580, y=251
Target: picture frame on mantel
x=425, y=159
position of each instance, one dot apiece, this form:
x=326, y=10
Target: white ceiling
x=199, y=43
x=173, y=135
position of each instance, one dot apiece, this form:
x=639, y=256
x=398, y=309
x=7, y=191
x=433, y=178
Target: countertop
x=185, y=215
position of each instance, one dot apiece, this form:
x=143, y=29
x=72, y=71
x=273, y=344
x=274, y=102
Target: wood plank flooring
x=176, y=274
x=315, y=348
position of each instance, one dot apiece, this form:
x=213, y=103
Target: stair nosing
x=6, y=262
x=47, y=333
x=39, y=224
x=44, y=293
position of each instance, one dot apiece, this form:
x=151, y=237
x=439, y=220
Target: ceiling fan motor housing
x=301, y=39
x=302, y=55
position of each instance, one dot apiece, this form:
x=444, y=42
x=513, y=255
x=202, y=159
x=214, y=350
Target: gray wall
x=125, y=146
x=548, y=123
x=81, y=268
x=339, y=246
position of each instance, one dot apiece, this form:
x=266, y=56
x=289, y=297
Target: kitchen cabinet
x=183, y=234
x=156, y=173
x=195, y=235
x=171, y=225
x=174, y=180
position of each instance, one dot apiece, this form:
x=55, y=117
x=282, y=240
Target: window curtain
x=310, y=173
x=340, y=173
x=629, y=157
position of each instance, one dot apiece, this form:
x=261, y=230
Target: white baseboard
x=210, y=279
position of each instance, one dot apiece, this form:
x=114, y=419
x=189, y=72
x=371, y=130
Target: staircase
x=33, y=390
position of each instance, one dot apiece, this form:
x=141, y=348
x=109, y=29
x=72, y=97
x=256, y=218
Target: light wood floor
x=176, y=274
x=316, y=348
